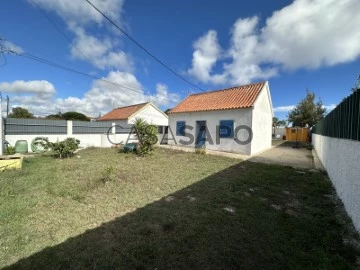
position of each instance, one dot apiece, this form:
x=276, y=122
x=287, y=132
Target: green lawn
x=169, y=210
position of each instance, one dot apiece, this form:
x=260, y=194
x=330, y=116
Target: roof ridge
x=242, y=96
x=132, y=105
x=227, y=89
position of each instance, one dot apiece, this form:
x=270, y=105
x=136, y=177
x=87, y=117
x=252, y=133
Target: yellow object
x=8, y=163
x=297, y=134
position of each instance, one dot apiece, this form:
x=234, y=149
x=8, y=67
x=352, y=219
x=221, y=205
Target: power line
x=57, y=27
x=143, y=48
x=69, y=69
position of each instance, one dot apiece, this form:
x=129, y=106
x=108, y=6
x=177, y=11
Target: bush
x=65, y=148
x=147, y=136
x=10, y=150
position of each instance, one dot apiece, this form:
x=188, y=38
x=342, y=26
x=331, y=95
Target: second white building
x=237, y=119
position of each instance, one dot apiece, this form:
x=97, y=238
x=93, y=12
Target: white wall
x=212, y=118
x=262, y=122
x=152, y=115
x=86, y=140
x=340, y=158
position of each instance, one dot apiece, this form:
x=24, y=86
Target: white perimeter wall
x=86, y=140
x=341, y=159
x=262, y=122
x=212, y=118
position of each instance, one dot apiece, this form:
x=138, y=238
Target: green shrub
x=10, y=150
x=65, y=148
x=107, y=174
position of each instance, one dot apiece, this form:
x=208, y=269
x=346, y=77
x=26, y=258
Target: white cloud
x=42, y=89
x=101, y=53
x=284, y=108
x=207, y=52
x=330, y=107
x=304, y=34
x=81, y=12
x=163, y=97
x=288, y=108
x=100, y=98
x=9, y=45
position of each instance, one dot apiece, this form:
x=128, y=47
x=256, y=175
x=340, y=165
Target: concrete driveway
x=286, y=154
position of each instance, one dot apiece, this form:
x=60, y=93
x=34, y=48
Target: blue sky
x=294, y=45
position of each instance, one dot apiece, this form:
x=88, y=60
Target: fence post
x=113, y=131
x=69, y=130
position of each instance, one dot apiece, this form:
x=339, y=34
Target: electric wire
x=143, y=48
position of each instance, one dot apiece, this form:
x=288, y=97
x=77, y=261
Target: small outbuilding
x=237, y=119
x=147, y=111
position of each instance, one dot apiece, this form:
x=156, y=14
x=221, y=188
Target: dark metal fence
x=342, y=122
x=14, y=126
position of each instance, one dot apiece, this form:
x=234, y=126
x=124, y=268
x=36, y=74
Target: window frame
x=178, y=133
x=221, y=124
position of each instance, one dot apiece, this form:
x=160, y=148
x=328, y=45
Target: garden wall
x=341, y=158
x=97, y=134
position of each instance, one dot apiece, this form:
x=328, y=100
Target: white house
x=147, y=111
x=237, y=119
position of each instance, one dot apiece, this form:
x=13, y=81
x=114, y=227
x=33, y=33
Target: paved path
x=286, y=154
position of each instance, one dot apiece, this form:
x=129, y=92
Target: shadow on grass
x=248, y=216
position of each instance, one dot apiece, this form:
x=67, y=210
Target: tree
x=75, y=116
x=278, y=123
x=307, y=112
x=19, y=112
x=357, y=85
x=57, y=116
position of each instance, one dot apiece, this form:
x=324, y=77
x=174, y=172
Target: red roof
x=231, y=98
x=122, y=113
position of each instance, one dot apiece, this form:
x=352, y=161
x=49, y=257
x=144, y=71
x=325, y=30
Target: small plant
x=201, y=150
x=146, y=135
x=309, y=146
x=107, y=174
x=65, y=148
x=10, y=150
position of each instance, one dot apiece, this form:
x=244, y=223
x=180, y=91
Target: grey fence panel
x=103, y=127
x=15, y=126
x=342, y=122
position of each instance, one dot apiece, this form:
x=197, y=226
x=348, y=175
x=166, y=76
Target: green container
x=21, y=146
x=129, y=147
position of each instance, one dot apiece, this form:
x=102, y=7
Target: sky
x=294, y=45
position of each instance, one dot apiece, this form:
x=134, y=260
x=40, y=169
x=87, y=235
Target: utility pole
x=1, y=128
x=7, y=106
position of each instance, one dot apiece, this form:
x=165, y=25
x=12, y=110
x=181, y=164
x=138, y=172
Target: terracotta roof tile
x=231, y=98
x=122, y=113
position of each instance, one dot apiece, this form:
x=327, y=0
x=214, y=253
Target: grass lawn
x=170, y=210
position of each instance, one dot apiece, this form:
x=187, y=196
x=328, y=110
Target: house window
x=226, y=129
x=160, y=129
x=180, y=128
